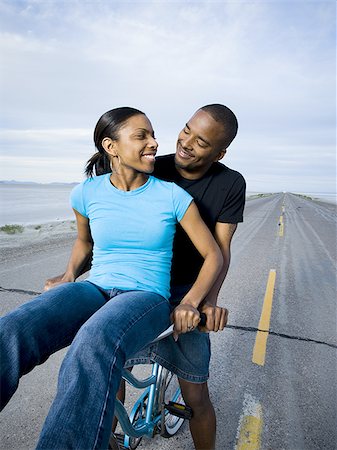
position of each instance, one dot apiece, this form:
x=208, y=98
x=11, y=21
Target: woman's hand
x=185, y=318
x=217, y=317
x=55, y=281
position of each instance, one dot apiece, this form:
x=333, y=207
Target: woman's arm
x=80, y=254
x=186, y=315
x=217, y=316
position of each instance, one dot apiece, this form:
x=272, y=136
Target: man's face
x=199, y=144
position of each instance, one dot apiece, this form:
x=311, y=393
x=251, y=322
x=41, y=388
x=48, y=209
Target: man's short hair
x=226, y=118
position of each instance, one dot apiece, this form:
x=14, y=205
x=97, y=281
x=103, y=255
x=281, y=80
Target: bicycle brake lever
x=164, y=334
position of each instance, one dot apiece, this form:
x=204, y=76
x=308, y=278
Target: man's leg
x=203, y=422
x=40, y=327
x=82, y=412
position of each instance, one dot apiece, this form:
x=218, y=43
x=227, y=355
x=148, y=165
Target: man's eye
x=186, y=130
x=201, y=144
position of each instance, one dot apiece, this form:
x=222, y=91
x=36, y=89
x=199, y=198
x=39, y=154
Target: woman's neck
x=128, y=181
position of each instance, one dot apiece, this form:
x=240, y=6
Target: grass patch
x=254, y=196
x=12, y=229
x=307, y=197
x=264, y=195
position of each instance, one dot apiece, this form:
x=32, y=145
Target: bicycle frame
x=146, y=426
x=154, y=413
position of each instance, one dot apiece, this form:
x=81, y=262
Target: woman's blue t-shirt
x=132, y=231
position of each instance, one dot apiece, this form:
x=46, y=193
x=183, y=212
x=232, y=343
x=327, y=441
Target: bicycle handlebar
x=203, y=320
x=164, y=334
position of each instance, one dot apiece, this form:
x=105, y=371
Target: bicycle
x=160, y=409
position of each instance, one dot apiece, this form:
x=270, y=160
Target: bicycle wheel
x=139, y=415
x=169, y=390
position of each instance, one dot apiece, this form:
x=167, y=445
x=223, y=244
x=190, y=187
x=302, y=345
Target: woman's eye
x=186, y=131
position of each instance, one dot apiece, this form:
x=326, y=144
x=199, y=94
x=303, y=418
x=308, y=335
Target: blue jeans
x=104, y=328
x=188, y=358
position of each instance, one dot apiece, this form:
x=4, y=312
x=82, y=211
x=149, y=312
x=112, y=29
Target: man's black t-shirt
x=219, y=196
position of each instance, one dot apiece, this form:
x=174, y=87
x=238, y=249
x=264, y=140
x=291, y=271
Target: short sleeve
x=232, y=209
x=76, y=200
x=181, y=201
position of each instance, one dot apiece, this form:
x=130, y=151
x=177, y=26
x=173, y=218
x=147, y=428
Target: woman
x=127, y=218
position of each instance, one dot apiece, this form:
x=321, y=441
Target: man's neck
x=193, y=175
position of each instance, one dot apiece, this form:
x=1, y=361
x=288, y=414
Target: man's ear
x=220, y=155
x=109, y=146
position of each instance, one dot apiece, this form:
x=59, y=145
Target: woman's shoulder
x=159, y=182
x=88, y=186
x=95, y=181
x=165, y=185
x=169, y=187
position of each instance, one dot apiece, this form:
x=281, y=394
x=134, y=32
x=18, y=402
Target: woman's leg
x=82, y=412
x=40, y=327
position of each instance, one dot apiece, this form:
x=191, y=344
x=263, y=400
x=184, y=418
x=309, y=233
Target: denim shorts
x=188, y=358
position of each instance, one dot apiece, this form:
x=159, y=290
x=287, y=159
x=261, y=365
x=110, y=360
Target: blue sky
x=64, y=63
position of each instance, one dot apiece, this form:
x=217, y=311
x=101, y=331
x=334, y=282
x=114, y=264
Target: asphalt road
x=281, y=396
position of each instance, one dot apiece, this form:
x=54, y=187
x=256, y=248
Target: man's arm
x=217, y=316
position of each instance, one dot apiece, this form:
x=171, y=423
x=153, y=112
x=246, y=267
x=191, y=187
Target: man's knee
x=195, y=395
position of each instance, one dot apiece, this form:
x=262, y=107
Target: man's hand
x=185, y=318
x=217, y=317
x=55, y=281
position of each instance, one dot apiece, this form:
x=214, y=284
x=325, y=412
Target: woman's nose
x=153, y=143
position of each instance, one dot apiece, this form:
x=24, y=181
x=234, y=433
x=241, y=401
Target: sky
x=65, y=63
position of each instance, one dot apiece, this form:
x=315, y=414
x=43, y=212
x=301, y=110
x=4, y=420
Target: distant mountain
x=16, y=182
x=73, y=183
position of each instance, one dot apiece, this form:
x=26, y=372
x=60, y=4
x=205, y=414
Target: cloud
x=55, y=142
x=60, y=151
x=66, y=63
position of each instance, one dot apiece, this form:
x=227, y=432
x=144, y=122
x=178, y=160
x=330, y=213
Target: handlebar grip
x=203, y=320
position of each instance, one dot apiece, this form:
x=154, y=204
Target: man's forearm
x=212, y=296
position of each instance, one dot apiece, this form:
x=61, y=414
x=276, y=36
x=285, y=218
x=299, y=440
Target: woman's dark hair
x=107, y=126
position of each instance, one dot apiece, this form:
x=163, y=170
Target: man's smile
x=183, y=153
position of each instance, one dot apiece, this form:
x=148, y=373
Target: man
x=219, y=193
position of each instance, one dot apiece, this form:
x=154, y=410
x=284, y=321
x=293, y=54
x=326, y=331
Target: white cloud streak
x=273, y=63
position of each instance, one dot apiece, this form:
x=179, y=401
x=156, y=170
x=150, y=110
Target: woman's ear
x=109, y=146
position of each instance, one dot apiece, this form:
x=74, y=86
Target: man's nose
x=187, y=142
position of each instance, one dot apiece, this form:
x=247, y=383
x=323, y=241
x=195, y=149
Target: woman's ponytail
x=98, y=164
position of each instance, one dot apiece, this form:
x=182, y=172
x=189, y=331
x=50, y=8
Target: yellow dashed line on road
x=259, y=352
x=281, y=227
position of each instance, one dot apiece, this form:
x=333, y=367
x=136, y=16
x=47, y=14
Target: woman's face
x=136, y=146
